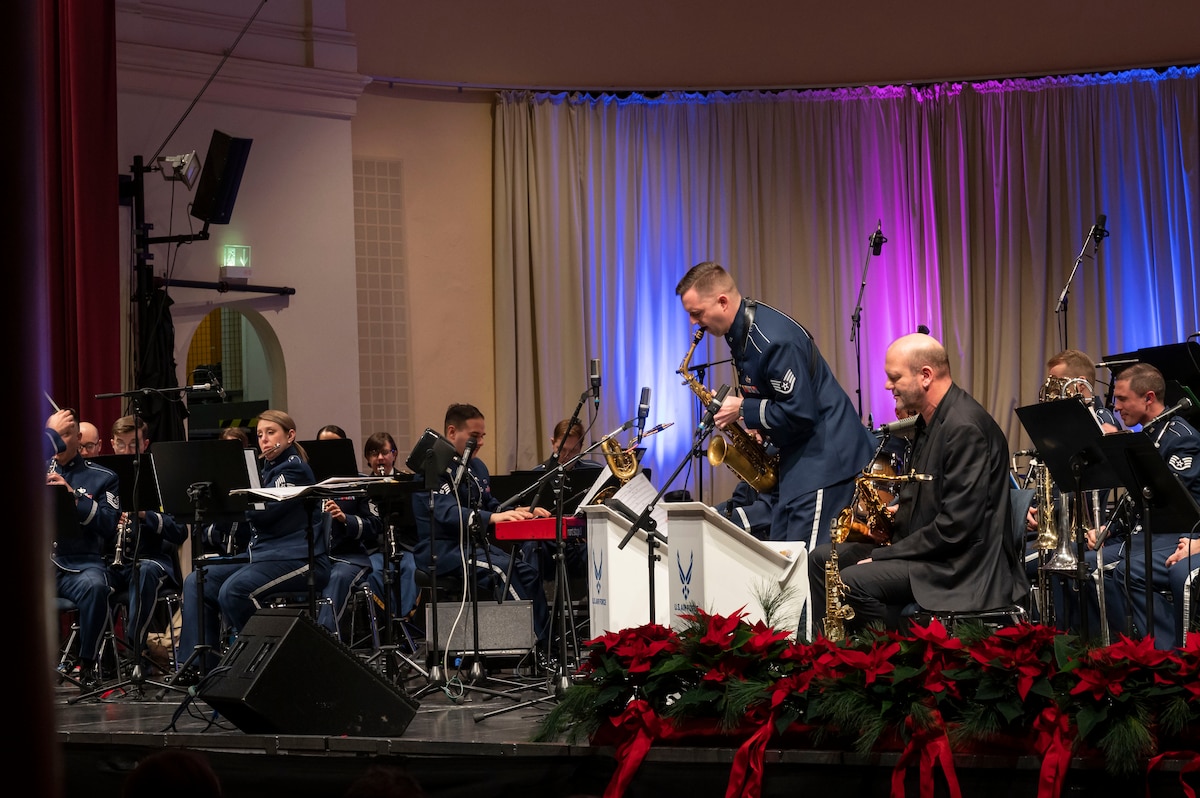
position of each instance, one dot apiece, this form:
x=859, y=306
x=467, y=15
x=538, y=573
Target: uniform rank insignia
x=1179, y=463
x=785, y=385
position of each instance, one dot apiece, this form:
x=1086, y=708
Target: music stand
x=198, y=477
x=431, y=456
x=66, y=528
x=1157, y=490
x=1068, y=439
x=1179, y=365
x=332, y=457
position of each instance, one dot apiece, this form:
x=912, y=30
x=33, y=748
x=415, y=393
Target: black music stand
x=66, y=528
x=332, y=457
x=1068, y=439
x=1157, y=491
x=198, y=478
x=1179, y=365
x=431, y=456
x=393, y=495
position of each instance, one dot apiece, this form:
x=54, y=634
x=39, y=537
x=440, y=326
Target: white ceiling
x=723, y=44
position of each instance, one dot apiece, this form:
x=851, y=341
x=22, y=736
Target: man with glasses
x=89, y=440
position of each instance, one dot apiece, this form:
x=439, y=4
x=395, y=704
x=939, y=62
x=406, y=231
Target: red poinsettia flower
x=720, y=629
x=763, y=638
x=1025, y=649
x=872, y=662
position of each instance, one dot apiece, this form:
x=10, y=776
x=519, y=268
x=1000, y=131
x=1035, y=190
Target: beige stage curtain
x=986, y=194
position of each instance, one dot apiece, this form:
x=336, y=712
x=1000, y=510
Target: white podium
x=719, y=567
x=619, y=579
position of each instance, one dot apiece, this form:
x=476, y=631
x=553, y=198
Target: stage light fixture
x=183, y=168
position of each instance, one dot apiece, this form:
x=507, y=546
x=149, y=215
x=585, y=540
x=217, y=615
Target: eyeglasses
x=382, y=453
x=87, y=447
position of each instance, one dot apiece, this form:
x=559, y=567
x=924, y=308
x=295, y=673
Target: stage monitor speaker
x=505, y=628
x=220, y=178
x=285, y=674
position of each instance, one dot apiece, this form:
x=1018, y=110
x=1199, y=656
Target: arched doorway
x=242, y=352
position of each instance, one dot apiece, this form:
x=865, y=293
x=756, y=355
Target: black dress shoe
x=88, y=678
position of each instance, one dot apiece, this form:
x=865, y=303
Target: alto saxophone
x=836, y=613
x=745, y=456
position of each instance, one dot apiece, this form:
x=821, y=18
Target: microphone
x=467, y=454
x=208, y=386
x=643, y=411
x=1119, y=364
x=595, y=381
x=895, y=427
x=1098, y=233
x=877, y=239
x=1181, y=406
x=714, y=405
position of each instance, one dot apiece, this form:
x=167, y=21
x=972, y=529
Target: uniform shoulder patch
x=1179, y=463
x=785, y=385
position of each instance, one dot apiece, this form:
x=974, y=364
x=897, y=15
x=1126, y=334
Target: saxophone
x=836, y=613
x=745, y=456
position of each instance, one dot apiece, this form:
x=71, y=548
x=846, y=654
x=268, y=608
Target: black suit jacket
x=957, y=529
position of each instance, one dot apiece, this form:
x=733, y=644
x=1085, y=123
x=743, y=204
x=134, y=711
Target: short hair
x=378, y=442
x=925, y=350
x=560, y=429
x=706, y=278
x=1144, y=378
x=1078, y=364
x=334, y=428
x=459, y=414
x=127, y=424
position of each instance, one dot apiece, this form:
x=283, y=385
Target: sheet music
x=605, y=473
x=637, y=493
x=333, y=484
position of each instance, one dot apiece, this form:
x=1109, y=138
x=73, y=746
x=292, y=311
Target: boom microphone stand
x=876, y=240
x=1095, y=236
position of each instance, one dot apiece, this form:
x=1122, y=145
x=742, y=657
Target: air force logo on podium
x=685, y=576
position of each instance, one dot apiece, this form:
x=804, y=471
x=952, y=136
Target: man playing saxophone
x=953, y=546
x=789, y=394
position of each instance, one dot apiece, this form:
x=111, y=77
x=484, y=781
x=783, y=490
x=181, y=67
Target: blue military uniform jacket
x=280, y=530
x=792, y=398
x=97, y=504
x=453, y=514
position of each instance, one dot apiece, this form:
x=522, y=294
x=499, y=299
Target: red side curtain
x=79, y=90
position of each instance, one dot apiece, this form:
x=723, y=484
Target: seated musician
x=952, y=545
x=279, y=555
x=1138, y=395
x=148, y=559
x=392, y=553
x=1070, y=373
x=463, y=514
x=354, y=532
x=564, y=448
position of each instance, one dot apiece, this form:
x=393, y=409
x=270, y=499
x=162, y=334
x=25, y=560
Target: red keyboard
x=538, y=529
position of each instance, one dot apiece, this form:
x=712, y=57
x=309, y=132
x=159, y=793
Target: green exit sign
x=235, y=256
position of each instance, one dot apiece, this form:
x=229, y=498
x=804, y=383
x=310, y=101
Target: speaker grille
x=285, y=674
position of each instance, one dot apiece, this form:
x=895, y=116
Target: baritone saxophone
x=745, y=456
